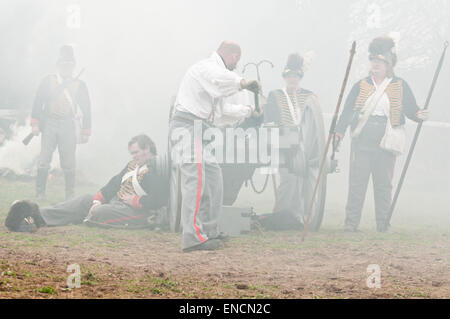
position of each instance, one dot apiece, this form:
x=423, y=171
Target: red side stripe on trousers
x=199, y=189
x=112, y=221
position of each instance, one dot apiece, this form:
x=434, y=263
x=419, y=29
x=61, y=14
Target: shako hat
x=66, y=55
x=294, y=65
x=383, y=48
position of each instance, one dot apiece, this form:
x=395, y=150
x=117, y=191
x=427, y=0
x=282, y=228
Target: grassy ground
x=414, y=261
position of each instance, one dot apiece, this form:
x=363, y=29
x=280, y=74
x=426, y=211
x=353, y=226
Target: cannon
x=298, y=155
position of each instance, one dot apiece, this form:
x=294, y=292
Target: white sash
x=67, y=95
x=76, y=111
x=136, y=186
x=294, y=110
x=370, y=106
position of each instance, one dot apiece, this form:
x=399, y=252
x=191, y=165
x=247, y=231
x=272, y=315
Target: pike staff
x=416, y=135
x=330, y=138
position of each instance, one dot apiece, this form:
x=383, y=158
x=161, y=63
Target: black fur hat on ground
x=24, y=216
x=383, y=48
x=294, y=65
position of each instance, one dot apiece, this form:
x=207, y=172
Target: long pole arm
x=330, y=137
x=416, y=135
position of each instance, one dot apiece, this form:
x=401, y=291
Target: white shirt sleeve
x=236, y=110
x=217, y=81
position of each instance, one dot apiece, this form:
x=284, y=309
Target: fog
x=136, y=52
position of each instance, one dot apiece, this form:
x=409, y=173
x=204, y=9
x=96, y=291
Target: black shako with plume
x=66, y=55
x=383, y=48
x=294, y=65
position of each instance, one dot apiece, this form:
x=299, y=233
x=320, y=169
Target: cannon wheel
x=319, y=204
x=313, y=133
x=175, y=200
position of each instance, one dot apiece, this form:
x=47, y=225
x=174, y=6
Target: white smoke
x=20, y=158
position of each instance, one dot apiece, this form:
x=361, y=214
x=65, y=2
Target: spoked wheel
x=313, y=143
x=175, y=199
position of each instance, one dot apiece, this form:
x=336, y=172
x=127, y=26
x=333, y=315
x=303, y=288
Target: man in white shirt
x=199, y=99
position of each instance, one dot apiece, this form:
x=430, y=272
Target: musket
x=63, y=85
x=28, y=139
x=330, y=138
x=416, y=135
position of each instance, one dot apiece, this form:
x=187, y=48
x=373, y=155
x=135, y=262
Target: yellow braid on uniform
x=394, y=92
x=282, y=103
x=127, y=186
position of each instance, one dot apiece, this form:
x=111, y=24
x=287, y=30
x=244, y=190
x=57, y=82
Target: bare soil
x=414, y=262
x=145, y=264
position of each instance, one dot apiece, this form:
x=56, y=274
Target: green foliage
x=9, y=273
x=47, y=290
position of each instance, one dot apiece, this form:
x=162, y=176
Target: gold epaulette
x=365, y=90
x=394, y=92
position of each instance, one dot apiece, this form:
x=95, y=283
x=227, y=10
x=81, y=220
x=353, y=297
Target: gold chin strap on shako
x=382, y=57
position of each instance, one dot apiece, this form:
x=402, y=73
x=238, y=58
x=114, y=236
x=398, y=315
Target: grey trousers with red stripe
x=115, y=213
x=201, y=188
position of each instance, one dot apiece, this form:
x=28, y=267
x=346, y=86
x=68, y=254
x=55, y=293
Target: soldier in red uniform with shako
x=62, y=113
x=375, y=110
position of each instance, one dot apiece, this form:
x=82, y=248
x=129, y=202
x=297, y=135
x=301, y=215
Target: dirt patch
x=146, y=264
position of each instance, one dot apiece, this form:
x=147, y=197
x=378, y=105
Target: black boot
x=41, y=183
x=69, y=177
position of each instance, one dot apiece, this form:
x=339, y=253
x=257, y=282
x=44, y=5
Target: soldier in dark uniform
x=62, y=112
x=126, y=201
x=375, y=106
x=293, y=106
